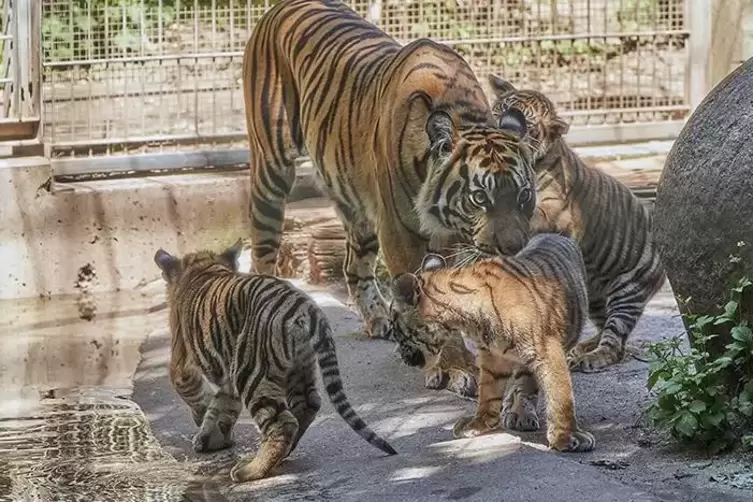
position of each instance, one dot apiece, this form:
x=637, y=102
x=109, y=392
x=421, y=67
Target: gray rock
x=704, y=200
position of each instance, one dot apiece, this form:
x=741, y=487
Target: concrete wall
x=47, y=235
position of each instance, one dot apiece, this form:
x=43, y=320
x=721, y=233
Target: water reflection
x=91, y=449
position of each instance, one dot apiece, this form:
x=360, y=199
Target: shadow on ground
x=333, y=463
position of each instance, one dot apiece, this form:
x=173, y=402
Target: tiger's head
x=480, y=184
x=418, y=341
x=544, y=126
x=175, y=269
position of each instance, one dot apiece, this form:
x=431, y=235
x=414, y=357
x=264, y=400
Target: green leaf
x=702, y=321
x=653, y=377
x=742, y=333
x=686, y=424
x=731, y=308
x=723, y=319
x=671, y=388
x=697, y=406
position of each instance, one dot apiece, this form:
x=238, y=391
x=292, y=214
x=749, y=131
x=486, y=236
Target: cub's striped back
x=257, y=338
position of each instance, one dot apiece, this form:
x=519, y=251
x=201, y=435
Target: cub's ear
x=231, y=254
x=406, y=289
x=513, y=120
x=500, y=85
x=558, y=127
x=165, y=261
x=433, y=261
x=441, y=131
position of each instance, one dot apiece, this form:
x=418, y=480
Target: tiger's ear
x=558, y=127
x=406, y=289
x=433, y=261
x=500, y=85
x=513, y=120
x=441, y=131
x=166, y=262
x=231, y=254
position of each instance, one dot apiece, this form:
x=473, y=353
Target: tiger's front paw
x=597, y=360
x=571, y=442
x=521, y=420
x=472, y=426
x=211, y=439
x=379, y=328
x=436, y=378
x=463, y=383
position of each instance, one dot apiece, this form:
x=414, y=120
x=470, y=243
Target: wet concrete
x=69, y=430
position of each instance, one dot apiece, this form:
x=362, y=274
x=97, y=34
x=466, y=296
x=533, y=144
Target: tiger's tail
x=324, y=346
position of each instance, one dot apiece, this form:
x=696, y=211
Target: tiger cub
x=256, y=338
x=609, y=222
x=522, y=313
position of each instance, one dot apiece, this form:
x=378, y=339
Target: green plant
x=696, y=401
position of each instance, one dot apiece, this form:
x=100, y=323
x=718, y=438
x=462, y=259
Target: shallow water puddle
x=91, y=445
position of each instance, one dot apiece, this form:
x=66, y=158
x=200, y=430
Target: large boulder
x=704, y=201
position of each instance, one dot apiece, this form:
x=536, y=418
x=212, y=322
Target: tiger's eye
x=480, y=198
x=524, y=197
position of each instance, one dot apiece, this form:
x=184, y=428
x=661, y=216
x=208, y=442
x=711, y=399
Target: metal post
x=698, y=13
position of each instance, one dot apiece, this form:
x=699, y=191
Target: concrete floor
x=88, y=414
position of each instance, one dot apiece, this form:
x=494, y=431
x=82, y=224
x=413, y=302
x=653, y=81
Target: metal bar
x=699, y=51
x=166, y=161
x=136, y=141
x=158, y=162
x=470, y=41
x=624, y=133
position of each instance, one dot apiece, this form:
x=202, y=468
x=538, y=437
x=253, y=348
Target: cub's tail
x=324, y=346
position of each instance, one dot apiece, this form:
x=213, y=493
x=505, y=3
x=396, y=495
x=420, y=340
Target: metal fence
x=19, y=70
x=162, y=77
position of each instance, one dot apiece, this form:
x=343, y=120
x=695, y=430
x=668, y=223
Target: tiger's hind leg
x=625, y=304
x=303, y=399
x=598, y=315
x=278, y=427
x=216, y=432
x=270, y=185
x=360, y=266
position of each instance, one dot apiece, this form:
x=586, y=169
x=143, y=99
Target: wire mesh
x=141, y=75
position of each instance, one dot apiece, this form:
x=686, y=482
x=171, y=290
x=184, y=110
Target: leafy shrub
x=696, y=401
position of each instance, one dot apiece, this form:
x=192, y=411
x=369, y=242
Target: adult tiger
x=404, y=139
x=602, y=214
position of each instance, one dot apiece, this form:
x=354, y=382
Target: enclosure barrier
x=20, y=71
x=136, y=86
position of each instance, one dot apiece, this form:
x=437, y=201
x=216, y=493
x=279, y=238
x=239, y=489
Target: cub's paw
x=572, y=442
x=245, y=471
x=436, y=379
x=472, y=426
x=198, y=416
x=521, y=420
x=463, y=383
x=213, y=439
x=595, y=361
x=379, y=328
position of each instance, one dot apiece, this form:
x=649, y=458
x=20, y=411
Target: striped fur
x=522, y=313
x=403, y=138
x=602, y=214
x=257, y=339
